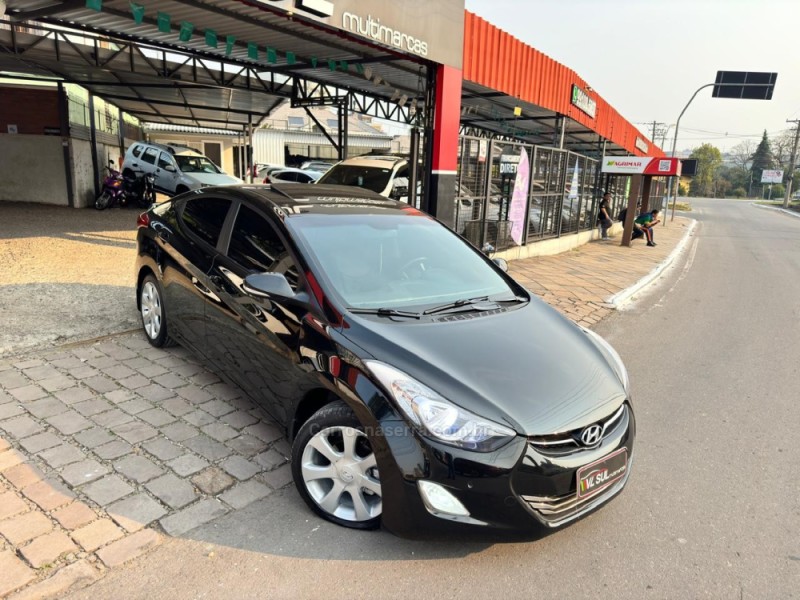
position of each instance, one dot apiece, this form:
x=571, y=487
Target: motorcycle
x=119, y=189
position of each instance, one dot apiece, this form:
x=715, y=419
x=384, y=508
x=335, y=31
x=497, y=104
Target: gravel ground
x=65, y=274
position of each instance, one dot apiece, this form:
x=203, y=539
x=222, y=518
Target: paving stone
x=134, y=432
x=247, y=445
x=74, y=394
x=223, y=391
x=172, y=491
x=179, y=432
x=187, y=370
x=83, y=472
x=219, y=431
x=212, y=481
x=12, y=380
x=170, y=381
x=150, y=369
x=245, y=493
x=28, y=393
x=137, y=468
x=198, y=418
x=264, y=431
x=177, y=406
x=187, y=464
x=194, y=394
x=23, y=475
x=84, y=372
x=10, y=410
x=136, y=512
x=67, y=362
x=46, y=407
x=40, y=372
x=86, y=352
x=246, y=404
x=21, y=427
x=94, y=437
x=239, y=419
x=189, y=518
x=102, y=362
x=62, y=455
x=155, y=392
x=29, y=363
x=24, y=527
x=118, y=352
x=10, y=458
x=113, y=450
x=101, y=384
x=60, y=382
x=48, y=549
x=69, y=422
x=239, y=467
x=119, y=372
x=74, y=515
x=48, y=494
x=217, y=408
x=207, y=448
x=107, y=490
x=135, y=382
x=4, y=444
x=156, y=416
x=112, y=418
x=42, y=441
x=67, y=579
x=129, y=548
x=92, y=407
x=118, y=396
x=163, y=449
x=16, y=573
x=204, y=378
x=280, y=477
x=135, y=406
x=283, y=447
x=11, y=504
x=97, y=534
x=270, y=459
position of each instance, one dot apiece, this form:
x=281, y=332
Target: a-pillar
x=444, y=158
x=630, y=215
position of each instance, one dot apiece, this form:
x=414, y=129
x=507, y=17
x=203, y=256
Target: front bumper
x=520, y=487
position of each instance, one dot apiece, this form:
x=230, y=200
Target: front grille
x=569, y=441
x=556, y=511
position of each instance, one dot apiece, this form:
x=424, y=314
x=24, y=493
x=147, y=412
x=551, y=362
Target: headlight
x=618, y=365
x=438, y=418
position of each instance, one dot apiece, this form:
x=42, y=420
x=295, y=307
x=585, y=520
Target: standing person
x=604, y=216
x=645, y=222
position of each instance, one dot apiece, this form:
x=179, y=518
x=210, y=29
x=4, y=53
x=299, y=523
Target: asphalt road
x=712, y=509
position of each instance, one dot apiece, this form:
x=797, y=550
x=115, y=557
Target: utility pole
x=792, y=159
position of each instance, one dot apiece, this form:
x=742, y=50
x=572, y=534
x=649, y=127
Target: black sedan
x=421, y=386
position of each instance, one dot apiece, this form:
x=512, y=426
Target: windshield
x=195, y=164
x=370, y=178
x=394, y=261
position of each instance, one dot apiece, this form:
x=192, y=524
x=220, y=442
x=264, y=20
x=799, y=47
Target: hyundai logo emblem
x=591, y=435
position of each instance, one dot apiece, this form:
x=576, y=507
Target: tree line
x=740, y=175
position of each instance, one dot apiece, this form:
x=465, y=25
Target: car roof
x=371, y=160
x=171, y=148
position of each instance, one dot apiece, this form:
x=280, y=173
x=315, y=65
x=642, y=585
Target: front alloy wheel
x=335, y=469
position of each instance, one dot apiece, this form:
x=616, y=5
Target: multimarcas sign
x=430, y=30
x=641, y=165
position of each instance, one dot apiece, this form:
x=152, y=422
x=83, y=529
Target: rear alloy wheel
x=335, y=470
x=152, y=311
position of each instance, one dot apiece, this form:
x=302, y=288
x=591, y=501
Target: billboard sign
x=771, y=176
x=744, y=85
x=641, y=165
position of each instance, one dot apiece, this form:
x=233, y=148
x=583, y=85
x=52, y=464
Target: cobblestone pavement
x=106, y=447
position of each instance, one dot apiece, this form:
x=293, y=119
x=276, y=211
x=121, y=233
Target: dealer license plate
x=602, y=473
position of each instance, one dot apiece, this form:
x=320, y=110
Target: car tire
x=151, y=309
x=335, y=470
x=103, y=200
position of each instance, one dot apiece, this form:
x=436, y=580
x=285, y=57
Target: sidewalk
x=109, y=447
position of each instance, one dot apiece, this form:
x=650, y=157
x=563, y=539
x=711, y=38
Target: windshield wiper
x=469, y=302
x=385, y=312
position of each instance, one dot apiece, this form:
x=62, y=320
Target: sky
x=647, y=57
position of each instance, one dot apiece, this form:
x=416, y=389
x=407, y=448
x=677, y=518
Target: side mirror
x=268, y=285
x=170, y=168
x=501, y=262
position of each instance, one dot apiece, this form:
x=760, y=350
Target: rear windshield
x=369, y=178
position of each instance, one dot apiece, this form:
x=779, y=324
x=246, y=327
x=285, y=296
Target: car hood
x=526, y=366
x=214, y=178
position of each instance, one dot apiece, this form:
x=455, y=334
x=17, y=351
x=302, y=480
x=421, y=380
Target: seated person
x=643, y=226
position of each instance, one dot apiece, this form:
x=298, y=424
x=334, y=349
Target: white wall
x=268, y=147
x=32, y=169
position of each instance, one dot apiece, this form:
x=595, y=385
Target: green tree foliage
x=762, y=159
x=709, y=159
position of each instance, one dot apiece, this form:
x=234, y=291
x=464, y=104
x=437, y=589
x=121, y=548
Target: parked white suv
x=176, y=169
x=386, y=175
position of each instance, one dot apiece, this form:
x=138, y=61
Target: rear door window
x=205, y=217
x=150, y=155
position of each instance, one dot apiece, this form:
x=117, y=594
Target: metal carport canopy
x=157, y=78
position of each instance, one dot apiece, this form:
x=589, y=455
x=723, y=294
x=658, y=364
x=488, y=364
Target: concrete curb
x=778, y=208
x=619, y=299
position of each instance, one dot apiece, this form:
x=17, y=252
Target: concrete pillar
x=627, y=232
x=444, y=159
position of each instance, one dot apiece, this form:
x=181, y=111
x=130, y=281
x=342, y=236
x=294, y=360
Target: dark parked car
x=420, y=385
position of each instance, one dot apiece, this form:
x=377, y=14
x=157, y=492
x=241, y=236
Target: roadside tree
x=762, y=159
x=709, y=159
